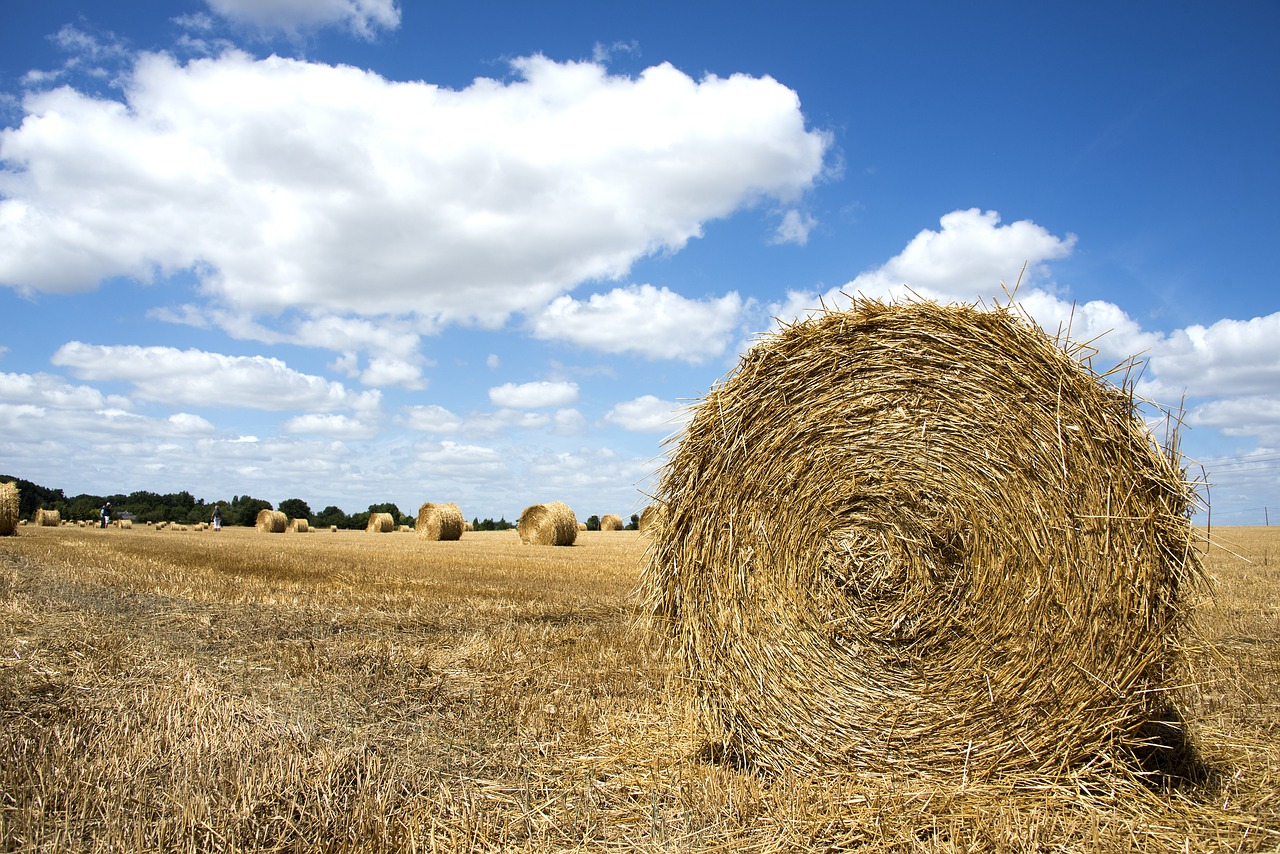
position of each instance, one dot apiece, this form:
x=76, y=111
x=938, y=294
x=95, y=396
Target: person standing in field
x=106, y=513
x=217, y=518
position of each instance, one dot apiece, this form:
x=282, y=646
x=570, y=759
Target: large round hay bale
x=299, y=526
x=272, y=522
x=8, y=509
x=551, y=524
x=923, y=539
x=610, y=522
x=650, y=518
x=440, y=522
x=381, y=523
x=48, y=518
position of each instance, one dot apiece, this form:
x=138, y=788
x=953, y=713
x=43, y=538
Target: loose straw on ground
x=923, y=539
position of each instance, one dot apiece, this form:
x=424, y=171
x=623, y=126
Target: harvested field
x=388, y=694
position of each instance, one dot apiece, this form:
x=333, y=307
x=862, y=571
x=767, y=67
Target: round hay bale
x=380, y=523
x=551, y=524
x=650, y=518
x=582, y=526
x=333, y=529
x=440, y=522
x=922, y=539
x=611, y=522
x=299, y=526
x=271, y=522
x=48, y=518
x=8, y=509
x=125, y=524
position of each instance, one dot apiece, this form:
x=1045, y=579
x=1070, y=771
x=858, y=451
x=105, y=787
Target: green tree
x=295, y=508
x=593, y=523
x=244, y=511
x=634, y=524
x=331, y=515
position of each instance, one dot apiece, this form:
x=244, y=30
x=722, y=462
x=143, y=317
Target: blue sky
x=357, y=251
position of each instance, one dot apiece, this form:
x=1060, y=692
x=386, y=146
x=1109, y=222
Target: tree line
x=184, y=508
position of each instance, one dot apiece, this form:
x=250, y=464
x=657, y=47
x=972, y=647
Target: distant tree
x=358, y=521
x=634, y=524
x=32, y=497
x=330, y=516
x=593, y=523
x=245, y=510
x=295, y=508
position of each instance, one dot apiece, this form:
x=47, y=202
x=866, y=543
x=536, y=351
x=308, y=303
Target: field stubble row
x=352, y=691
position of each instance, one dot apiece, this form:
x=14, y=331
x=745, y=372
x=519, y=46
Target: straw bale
x=440, y=521
x=333, y=529
x=582, y=526
x=8, y=509
x=650, y=518
x=124, y=523
x=299, y=526
x=611, y=522
x=380, y=523
x=272, y=522
x=551, y=524
x=929, y=539
x=48, y=518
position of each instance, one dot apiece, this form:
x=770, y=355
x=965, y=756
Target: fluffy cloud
x=362, y=17
x=1230, y=357
x=283, y=183
x=337, y=425
x=964, y=261
x=648, y=414
x=534, y=395
x=652, y=322
x=210, y=379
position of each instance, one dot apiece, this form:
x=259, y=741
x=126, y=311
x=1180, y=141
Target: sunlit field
x=191, y=690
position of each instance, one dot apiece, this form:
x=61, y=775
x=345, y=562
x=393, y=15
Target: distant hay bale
x=9, y=508
x=650, y=518
x=380, y=523
x=467, y=526
x=551, y=524
x=582, y=526
x=333, y=529
x=298, y=526
x=440, y=522
x=929, y=539
x=125, y=523
x=611, y=522
x=272, y=522
x=48, y=518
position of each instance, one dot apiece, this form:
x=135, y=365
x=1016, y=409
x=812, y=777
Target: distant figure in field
x=106, y=513
x=217, y=518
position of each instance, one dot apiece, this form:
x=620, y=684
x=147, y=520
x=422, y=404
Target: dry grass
x=382, y=694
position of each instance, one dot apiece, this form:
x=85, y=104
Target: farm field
x=183, y=690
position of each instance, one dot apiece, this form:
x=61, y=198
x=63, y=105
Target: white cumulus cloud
x=648, y=414
x=656, y=323
x=534, y=395
x=284, y=184
x=210, y=379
